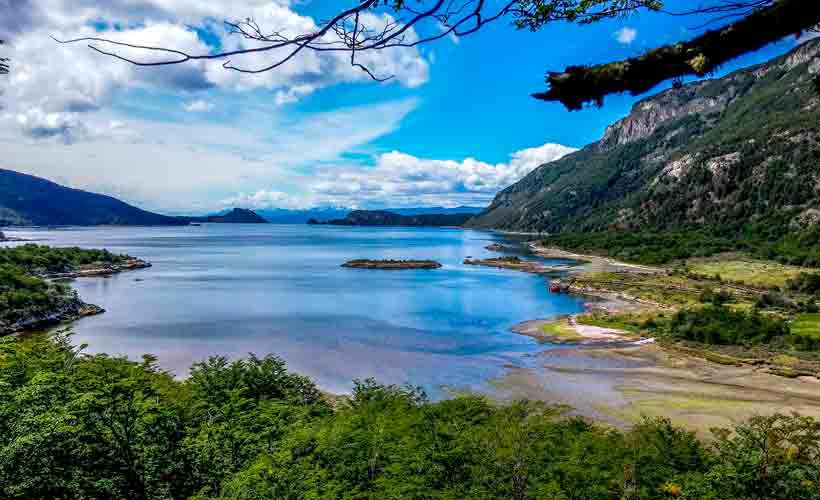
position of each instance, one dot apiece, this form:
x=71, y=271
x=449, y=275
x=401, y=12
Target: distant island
x=235, y=216
x=392, y=264
x=384, y=218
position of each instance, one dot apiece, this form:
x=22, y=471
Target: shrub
x=724, y=326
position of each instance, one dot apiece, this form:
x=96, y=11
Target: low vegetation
x=41, y=259
x=79, y=426
x=806, y=330
x=808, y=283
x=722, y=325
x=560, y=331
x=23, y=296
x=738, y=270
x=763, y=241
x=28, y=299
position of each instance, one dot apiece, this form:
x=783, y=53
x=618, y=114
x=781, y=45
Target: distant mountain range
x=284, y=216
x=26, y=200
x=385, y=218
x=235, y=216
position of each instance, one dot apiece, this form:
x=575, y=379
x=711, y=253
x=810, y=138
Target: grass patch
x=672, y=289
x=628, y=322
x=560, y=331
x=747, y=272
x=807, y=325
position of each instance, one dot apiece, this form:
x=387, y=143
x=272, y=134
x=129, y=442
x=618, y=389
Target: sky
x=454, y=125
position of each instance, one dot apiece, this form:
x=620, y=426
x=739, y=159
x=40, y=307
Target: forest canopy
x=94, y=426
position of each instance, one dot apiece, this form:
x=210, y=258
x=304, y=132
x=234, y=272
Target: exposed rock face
x=649, y=114
x=69, y=309
x=739, y=149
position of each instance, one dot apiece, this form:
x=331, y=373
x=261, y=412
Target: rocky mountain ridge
x=733, y=151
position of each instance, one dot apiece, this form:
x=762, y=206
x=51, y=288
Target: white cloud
x=93, y=122
x=198, y=106
x=70, y=83
x=192, y=166
x=626, y=35
x=265, y=199
x=402, y=179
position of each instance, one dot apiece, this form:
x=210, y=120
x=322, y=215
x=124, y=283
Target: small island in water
x=391, y=264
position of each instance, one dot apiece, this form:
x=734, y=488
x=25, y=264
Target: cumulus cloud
x=266, y=199
x=194, y=165
x=626, y=35
x=70, y=83
x=198, y=106
x=402, y=179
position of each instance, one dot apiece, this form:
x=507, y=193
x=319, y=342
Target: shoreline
x=71, y=307
x=619, y=377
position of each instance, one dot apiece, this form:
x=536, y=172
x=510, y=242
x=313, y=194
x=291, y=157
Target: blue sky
x=455, y=126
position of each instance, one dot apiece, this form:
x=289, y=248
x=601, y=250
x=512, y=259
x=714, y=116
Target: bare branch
x=4, y=62
x=397, y=24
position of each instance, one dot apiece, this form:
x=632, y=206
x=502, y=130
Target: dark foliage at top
x=29, y=200
x=77, y=426
x=805, y=283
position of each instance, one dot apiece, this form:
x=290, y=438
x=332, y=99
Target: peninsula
x=33, y=294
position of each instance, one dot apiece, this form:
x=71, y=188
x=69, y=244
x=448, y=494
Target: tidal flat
x=621, y=385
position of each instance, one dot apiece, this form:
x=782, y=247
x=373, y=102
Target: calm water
x=235, y=289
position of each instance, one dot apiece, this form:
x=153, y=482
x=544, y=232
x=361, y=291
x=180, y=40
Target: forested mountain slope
x=29, y=200
x=734, y=155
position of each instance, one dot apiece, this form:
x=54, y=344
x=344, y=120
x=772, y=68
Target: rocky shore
x=516, y=264
x=70, y=309
x=63, y=304
x=495, y=247
x=391, y=264
x=97, y=270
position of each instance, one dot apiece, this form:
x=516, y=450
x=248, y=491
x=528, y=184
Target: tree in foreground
x=375, y=25
x=78, y=426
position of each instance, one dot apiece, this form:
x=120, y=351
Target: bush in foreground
x=78, y=426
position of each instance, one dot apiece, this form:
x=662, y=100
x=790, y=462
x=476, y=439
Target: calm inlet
x=235, y=289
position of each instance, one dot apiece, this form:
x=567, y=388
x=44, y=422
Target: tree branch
x=578, y=85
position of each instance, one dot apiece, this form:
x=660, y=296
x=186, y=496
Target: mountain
x=735, y=154
x=435, y=210
x=285, y=216
x=32, y=201
x=384, y=218
x=235, y=216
